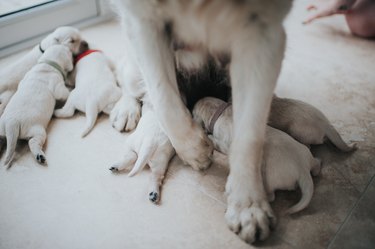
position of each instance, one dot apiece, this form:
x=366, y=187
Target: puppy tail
x=336, y=139
x=91, y=116
x=144, y=155
x=12, y=131
x=307, y=189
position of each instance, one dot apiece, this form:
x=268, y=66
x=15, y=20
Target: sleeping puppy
x=171, y=36
x=286, y=162
x=304, y=123
x=95, y=88
x=148, y=144
x=11, y=76
x=30, y=110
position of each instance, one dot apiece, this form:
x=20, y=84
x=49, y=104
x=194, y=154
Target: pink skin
x=360, y=14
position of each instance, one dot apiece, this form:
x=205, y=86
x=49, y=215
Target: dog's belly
x=211, y=80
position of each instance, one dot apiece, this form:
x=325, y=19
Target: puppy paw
x=153, y=197
x=196, y=149
x=114, y=169
x=126, y=114
x=41, y=159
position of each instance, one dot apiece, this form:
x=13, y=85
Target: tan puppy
x=304, y=123
x=147, y=145
x=286, y=163
x=11, y=75
x=30, y=110
x=95, y=89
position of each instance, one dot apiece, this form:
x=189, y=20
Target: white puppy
x=286, y=162
x=11, y=75
x=95, y=89
x=305, y=123
x=148, y=144
x=30, y=110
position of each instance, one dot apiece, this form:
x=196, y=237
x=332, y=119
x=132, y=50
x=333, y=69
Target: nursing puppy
x=184, y=36
x=304, y=123
x=11, y=75
x=286, y=162
x=30, y=110
x=95, y=89
x=147, y=145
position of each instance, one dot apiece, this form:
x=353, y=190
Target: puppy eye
x=57, y=40
x=72, y=41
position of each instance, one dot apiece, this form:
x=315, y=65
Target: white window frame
x=26, y=28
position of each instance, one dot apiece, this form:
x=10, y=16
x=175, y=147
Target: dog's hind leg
x=91, y=116
x=128, y=160
x=67, y=111
x=12, y=131
x=38, y=137
x=159, y=166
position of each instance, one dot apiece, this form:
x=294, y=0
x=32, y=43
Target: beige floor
x=76, y=202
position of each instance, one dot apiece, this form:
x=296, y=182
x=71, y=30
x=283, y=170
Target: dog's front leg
x=127, y=111
x=155, y=59
x=256, y=61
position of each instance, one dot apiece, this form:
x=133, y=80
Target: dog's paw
x=126, y=114
x=153, y=197
x=41, y=158
x=248, y=212
x=251, y=222
x=114, y=169
x=196, y=149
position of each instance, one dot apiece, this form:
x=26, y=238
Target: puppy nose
x=84, y=44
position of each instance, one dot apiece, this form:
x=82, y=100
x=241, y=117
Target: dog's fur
x=248, y=39
x=305, y=123
x=286, y=162
x=95, y=90
x=30, y=110
x=148, y=144
x=11, y=75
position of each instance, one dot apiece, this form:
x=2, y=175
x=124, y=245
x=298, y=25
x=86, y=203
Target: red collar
x=87, y=52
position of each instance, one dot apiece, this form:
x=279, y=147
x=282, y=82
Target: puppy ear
x=70, y=66
x=48, y=41
x=68, y=58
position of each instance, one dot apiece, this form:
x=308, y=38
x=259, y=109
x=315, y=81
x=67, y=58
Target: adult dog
x=11, y=75
x=244, y=36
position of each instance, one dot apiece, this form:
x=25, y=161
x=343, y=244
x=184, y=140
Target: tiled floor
x=76, y=202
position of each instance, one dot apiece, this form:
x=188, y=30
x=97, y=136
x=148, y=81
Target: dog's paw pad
x=153, y=197
x=41, y=159
x=113, y=169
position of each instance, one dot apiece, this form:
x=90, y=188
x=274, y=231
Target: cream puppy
x=304, y=123
x=95, y=89
x=286, y=162
x=148, y=144
x=30, y=110
x=11, y=75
